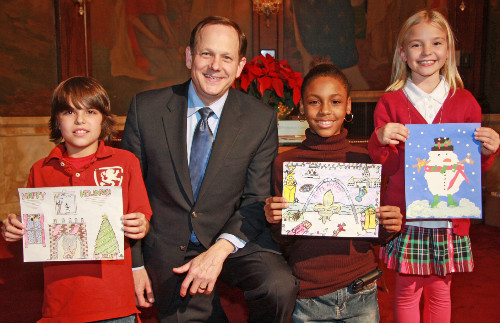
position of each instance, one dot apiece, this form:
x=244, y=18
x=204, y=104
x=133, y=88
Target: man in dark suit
x=215, y=227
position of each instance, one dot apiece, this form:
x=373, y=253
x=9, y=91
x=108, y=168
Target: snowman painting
x=444, y=173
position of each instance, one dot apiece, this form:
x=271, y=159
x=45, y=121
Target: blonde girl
x=426, y=88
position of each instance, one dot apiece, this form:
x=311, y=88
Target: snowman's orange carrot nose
x=446, y=160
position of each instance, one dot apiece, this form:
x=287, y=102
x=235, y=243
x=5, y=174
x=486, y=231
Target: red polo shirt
x=86, y=291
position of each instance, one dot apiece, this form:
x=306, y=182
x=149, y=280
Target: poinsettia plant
x=272, y=81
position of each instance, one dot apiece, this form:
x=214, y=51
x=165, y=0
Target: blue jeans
x=125, y=319
x=340, y=306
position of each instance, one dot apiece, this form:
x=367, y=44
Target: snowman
x=444, y=172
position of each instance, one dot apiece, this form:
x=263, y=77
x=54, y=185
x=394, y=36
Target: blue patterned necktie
x=200, y=149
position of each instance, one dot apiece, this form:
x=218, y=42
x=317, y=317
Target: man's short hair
x=218, y=20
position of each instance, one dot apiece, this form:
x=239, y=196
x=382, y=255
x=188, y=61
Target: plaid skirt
x=424, y=251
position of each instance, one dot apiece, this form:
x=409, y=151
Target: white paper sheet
x=331, y=199
x=72, y=223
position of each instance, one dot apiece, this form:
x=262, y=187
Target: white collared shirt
x=427, y=104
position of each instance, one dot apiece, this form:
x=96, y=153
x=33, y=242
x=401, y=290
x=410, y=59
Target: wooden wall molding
x=36, y=126
x=74, y=46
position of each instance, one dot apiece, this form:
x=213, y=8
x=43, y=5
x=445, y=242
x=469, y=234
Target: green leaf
x=267, y=96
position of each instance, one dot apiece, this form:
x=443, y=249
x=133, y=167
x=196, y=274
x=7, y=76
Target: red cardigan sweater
x=460, y=107
x=324, y=264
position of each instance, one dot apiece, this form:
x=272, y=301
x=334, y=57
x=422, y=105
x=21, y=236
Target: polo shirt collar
x=103, y=151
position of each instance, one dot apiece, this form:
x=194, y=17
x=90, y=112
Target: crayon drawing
x=106, y=244
x=331, y=199
x=72, y=223
x=34, y=229
x=443, y=171
x=68, y=240
x=65, y=203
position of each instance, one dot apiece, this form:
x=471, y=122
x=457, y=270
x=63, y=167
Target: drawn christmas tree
x=106, y=244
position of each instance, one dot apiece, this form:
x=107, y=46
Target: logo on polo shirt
x=108, y=176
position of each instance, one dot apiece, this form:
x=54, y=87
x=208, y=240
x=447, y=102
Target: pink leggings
x=437, y=300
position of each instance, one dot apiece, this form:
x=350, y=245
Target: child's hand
x=135, y=225
x=489, y=138
x=273, y=207
x=390, y=217
x=392, y=134
x=12, y=228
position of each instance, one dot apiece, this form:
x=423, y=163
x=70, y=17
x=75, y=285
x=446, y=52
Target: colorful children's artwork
x=72, y=223
x=331, y=199
x=443, y=171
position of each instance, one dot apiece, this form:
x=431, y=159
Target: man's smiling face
x=214, y=62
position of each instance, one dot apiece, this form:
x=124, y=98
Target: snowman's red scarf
x=457, y=168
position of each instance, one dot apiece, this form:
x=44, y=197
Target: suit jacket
x=236, y=183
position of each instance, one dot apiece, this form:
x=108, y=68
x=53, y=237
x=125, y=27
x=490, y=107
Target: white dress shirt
x=427, y=104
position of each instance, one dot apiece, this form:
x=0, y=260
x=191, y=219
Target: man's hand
x=135, y=225
x=202, y=272
x=143, y=288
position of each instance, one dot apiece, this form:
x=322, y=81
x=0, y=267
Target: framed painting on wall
x=358, y=36
x=139, y=45
x=28, y=62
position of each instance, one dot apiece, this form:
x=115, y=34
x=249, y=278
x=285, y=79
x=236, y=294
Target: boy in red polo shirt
x=88, y=291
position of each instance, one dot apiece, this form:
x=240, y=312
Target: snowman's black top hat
x=442, y=144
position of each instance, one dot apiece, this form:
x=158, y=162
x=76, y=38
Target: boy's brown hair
x=80, y=92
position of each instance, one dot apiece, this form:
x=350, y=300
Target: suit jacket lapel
x=174, y=122
x=227, y=131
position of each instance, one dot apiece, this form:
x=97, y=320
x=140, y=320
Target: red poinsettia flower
x=272, y=81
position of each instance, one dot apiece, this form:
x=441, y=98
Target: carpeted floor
x=475, y=296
